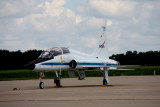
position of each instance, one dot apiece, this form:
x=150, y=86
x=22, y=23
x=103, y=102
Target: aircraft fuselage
x=82, y=61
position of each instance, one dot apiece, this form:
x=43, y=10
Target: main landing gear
x=105, y=82
x=57, y=79
x=57, y=82
x=106, y=78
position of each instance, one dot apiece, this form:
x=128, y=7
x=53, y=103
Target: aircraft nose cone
x=30, y=67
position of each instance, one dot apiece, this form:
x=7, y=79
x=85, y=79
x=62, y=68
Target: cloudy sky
x=41, y=24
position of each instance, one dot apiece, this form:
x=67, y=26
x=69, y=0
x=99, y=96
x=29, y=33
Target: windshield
x=56, y=51
x=50, y=53
x=45, y=54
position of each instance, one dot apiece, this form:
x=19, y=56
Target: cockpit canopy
x=55, y=51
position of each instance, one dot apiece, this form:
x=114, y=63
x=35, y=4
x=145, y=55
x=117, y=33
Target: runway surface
x=128, y=91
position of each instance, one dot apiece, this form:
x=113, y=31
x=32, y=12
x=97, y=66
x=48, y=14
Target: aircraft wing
x=96, y=65
x=114, y=68
x=128, y=65
x=119, y=67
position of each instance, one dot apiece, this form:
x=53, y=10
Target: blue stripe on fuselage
x=54, y=63
x=79, y=63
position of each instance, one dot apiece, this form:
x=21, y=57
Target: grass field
x=28, y=74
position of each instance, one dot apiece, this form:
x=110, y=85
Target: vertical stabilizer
x=101, y=46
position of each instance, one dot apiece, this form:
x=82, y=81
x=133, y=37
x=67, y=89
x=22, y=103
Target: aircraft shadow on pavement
x=87, y=86
x=78, y=86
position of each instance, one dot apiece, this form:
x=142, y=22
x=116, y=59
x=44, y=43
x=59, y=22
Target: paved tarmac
x=123, y=91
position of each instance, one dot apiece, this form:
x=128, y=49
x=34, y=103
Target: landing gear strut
x=106, y=78
x=57, y=79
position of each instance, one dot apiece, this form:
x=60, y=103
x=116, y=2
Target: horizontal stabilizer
x=114, y=68
x=128, y=65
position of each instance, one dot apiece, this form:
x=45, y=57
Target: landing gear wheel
x=105, y=82
x=57, y=82
x=41, y=85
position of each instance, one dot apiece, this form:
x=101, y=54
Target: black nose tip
x=30, y=67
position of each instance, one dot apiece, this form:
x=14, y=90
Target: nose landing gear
x=41, y=84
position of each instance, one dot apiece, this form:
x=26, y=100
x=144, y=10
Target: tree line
x=149, y=58
x=17, y=59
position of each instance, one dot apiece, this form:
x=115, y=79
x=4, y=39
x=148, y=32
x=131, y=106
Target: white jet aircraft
x=58, y=59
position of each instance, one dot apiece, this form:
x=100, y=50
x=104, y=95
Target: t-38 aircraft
x=58, y=59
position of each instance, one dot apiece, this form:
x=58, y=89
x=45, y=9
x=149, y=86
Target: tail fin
x=101, y=47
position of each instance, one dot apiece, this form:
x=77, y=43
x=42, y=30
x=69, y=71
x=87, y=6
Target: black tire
x=105, y=82
x=41, y=85
x=57, y=82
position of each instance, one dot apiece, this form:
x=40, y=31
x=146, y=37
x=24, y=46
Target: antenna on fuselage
x=104, y=28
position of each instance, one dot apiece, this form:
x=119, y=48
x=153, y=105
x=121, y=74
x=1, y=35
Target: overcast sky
x=41, y=24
